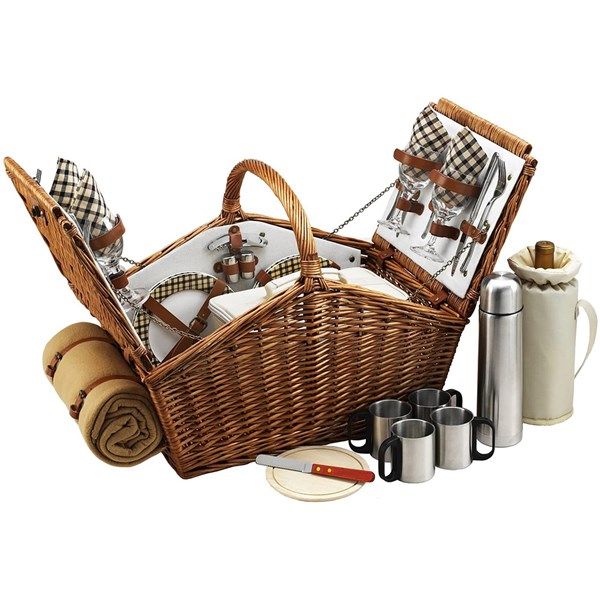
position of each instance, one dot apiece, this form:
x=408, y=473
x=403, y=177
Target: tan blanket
x=113, y=409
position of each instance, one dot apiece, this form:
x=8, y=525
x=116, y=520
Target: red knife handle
x=343, y=473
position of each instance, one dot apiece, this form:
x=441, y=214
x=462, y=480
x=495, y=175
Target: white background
x=160, y=100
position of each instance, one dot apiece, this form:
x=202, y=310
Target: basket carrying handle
x=310, y=266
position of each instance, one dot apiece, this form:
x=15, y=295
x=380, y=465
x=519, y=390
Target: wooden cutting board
x=314, y=488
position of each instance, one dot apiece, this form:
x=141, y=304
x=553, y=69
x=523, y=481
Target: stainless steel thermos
x=500, y=372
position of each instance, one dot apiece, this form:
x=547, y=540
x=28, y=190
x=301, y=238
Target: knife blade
x=315, y=469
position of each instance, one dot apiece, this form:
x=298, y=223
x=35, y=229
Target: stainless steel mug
x=412, y=446
x=456, y=437
x=426, y=400
x=379, y=418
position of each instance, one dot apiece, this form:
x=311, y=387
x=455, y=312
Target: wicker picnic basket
x=289, y=372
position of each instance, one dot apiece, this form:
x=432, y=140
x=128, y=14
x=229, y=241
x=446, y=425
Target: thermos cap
x=501, y=294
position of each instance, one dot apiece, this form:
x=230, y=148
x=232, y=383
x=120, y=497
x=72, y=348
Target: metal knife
x=483, y=222
x=484, y=190
x=314, y=468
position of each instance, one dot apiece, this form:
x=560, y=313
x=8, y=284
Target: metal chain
x=192, y=336
x=130, y=261
x=157, y=320
x=361, y=210
x=435, y=275
x=372, y=201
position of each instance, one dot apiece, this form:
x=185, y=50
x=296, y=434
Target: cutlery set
x=442, y=171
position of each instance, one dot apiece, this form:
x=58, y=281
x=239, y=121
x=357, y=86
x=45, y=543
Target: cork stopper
x=544, y=255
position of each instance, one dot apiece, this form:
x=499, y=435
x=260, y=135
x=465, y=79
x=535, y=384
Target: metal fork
x=500, y=187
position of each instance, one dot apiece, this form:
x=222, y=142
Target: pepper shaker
x=500, y=371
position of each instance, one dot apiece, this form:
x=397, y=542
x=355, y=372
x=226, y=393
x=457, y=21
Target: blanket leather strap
x=110, y=237
x=198, y=324
x=51, y=368
x=445, y=231
x=410, y=160
x=75, y=408
x=471, y=231
x=453, y=185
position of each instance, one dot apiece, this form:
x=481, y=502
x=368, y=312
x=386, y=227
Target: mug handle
x=353, y=418
x=482, y=421
x=395, y=445
x=458, y=401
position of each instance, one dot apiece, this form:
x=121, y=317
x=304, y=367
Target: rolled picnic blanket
x=110, y=404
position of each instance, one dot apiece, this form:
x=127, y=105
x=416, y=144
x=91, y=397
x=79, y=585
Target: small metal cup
x=456, y=437
x=231, y=268
x=426, y=400
x=412, y=445
x=379, y=418
x=247, y=265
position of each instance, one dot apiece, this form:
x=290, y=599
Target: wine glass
x=446, y=205
x=413, y=181
x=109, y=259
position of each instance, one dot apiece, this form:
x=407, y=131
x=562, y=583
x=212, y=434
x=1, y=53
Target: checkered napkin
x=88, y=206
x=429, y=139
x=65, y=182
x=464, y=162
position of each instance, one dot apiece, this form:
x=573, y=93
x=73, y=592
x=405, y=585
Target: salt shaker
x=500, y=371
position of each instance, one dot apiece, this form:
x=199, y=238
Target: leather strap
x=235, y=238
x=383, y=255
x=120, y=280
x=248, y=267
x=262, y=277
x=439, y=297
x=471, y=231
x=411, y=206
x=415, y=161
x=158, y=310
x=75, y=408
x=50, y=369
x=110, y=237
x=198, y=325
x=445, y=231
x=229, y=270
x=453, y=185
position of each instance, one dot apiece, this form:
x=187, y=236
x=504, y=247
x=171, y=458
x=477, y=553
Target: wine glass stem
x=431, y=241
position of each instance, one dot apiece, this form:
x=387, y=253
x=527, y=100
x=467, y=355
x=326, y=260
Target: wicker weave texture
x=290, y=371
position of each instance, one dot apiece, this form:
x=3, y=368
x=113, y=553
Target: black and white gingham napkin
x=65, y=182
x=464, y=162
x=90, y=210
x=429, y=139
x=88, y=206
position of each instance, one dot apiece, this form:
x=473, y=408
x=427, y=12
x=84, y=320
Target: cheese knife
x=315, y=469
